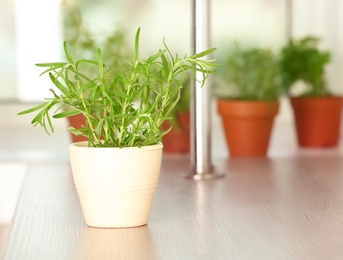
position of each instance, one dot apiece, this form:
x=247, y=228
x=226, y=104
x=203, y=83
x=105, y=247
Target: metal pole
x=201, y=165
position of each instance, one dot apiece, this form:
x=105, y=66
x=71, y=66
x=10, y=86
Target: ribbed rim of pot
x=83, y=146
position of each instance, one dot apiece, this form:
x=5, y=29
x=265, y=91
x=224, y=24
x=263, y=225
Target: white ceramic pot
x=116, y=186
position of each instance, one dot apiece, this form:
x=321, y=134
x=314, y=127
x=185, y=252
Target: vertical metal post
x=201, y=165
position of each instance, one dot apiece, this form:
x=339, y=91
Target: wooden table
x=280, y=208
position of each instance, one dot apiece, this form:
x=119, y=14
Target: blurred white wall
x=7, y=51
x=38, y=39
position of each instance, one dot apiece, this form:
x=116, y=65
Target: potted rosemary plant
x=317, y=111
x=248, y=93
x=116, y=171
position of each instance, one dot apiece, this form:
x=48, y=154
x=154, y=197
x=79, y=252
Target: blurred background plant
x=301, y=61
x=249, y=74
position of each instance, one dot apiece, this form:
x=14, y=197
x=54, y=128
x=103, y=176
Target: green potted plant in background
x=317, y=111
x=116, y=170
x=83, y=44
x=248, y=93
x=178, y=138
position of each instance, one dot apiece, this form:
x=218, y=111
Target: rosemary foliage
x=123, y=107
x=303, y=60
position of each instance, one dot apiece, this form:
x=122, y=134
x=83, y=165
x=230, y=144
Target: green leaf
x=51, y=64
x=156, y=56
x=33, y=109
x=165, y=64
x=67, y=53
x=71, y=112
x=59, y=85
x=101, y=65
x=137, y=44
x=51, y=68
x=120, y=94
x=204, y=53
x=83, y=76
x=86, y=61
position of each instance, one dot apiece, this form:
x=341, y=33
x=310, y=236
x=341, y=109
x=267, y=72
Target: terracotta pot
x=77, y=121
x=247, y=126
x=178, y=139
x=317, y=120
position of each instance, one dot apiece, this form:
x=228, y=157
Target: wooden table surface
x=280, y=208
